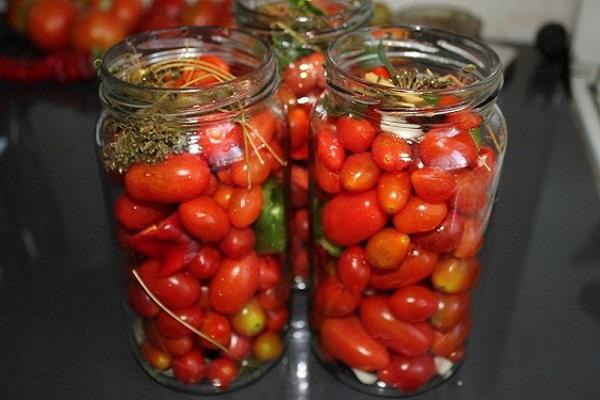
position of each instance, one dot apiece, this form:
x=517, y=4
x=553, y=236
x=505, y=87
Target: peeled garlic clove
x=443, y=366
x=409, y=132
x=366, y=378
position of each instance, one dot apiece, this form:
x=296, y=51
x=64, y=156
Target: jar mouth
x=351, y=14
x=250, y=57
x=423, y=49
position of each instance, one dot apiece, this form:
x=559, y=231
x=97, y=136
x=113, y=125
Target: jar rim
x=488, y=85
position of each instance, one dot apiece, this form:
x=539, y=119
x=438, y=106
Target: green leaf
x=476, y=136
x=385, y=60
x=270, y=225
x=287, y=50
x=431, y=99
x=305, y=6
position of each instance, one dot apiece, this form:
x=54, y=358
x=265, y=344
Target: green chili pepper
x=270, y=226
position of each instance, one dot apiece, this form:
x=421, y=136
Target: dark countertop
x=62, y=335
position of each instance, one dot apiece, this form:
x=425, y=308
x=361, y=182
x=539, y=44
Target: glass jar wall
x=300, y=33
x=407, y=148
x=192, y=140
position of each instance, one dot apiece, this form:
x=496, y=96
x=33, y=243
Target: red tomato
x=381, y=72
x=190, y=368
x=300, y=225
x=205, y=263
x=332, y=299
x=485, y=166
x=327, y=179
x=417, y=265
x=179, y=178
x=447, y=149
x=457, y=355
x=359, y=172
x=391, y=153
x=202, y=13
x=157, y=359
x=277, y=319
x=17, y=13
x=170, y=328
x=175, y=347
x=410, y=339
x=451, y=309
x=199, y=77
x=221, y=372
x=329, y=150
x=299, y=177
x=216, y=327
x=179, y=290
x=170, y=8
x=465, y=120
x=444, y=343
x=270, y=272
x=299, y=126
x=220, y=142
x=471, y=240
x=432, y=184
x=304, y=74
x=346, y=340
x=367, y=217
x=393, y=191
x=204, y=298
x=245, y=206
x=408, y=373
x=261, y=126
x=413, y=303
x=140, y=302
x=387, y=248
x=128, y=12
x=251, y=171
x=234, y=284
x=238, y=243
x=155, y=21
x=49, y=23
x=470, y=195
x=96, y=30
x=239, y=346
x=275, y=297
x=354, y=269
x=204, y=218
x=356, y=135
x=454, y=275
x=420, y=216
x=446, y=236
x=223, y=195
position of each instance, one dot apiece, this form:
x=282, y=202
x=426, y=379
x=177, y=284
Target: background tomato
x=169, y=8
x=128, y=12
x=49, y=23
x=96, y=30
x=299, y=126
x=304, y=74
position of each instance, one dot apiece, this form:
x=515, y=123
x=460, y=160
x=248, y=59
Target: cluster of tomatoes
x=196, y=227
x=405, y=220
x=95, y=25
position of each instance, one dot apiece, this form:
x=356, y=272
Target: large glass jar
x=405, y=158
x=191, y=139
x=300, y=32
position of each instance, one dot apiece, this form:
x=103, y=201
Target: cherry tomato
x=212, y=186
x=170, y=8
x=239, y=346
x=277, y=319
x=158, y=359
x=175, y=347
x=470, y=195
x=204, y=218
x=304, y=74
x=17, y=12
x=432, y=184
x=454, y=275
x=471, y=240
x=250, y=320
x=354, y=269
x=205, y=263
x=445, y=237
x=381, y=72
x=387, y=248
x=356, y=135
x=408, y=373
x=261, y=127
x=299, y=126
x=393, y=191
x=189, y=368
x=223, y=195
x=451, y=309
x=204, y=298
x=221, y=372
x=268, y=346
x=332, y=299
x=413, y=303
x=179, y=178
x=329, y=150
x=417, y=265
x=238, y=242
x=220, y=142
x=299, y=177
x=447, y=149
x=270, y=272
x=485, y=166
x=201, y=13
x=245, y=206
x=128, y=12
x=391, y=153
x=465, y=120
x=155, y=21
x=234, y=284
x=140, y=302
x=367, y=217
x=96, y=30
x=300, y=225
x=410, y=339
x=346, y=340
x=359, y=172
x=170, y=328
x=327, y=179
x=216, y=327
x=49, y=23
x=444, y=343
x=251, y=171
x=420, y=216
x=179, y=290
x=457, y=355
x=199, y=77
x=274, y=297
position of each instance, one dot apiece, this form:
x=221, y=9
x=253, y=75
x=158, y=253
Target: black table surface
x=62, y=335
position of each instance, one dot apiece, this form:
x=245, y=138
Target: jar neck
x=250, y=60
x=420, y=62
x=331, y=19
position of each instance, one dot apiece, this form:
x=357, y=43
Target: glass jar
x=191, y=138
x=300, y=36
x=405, y=158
